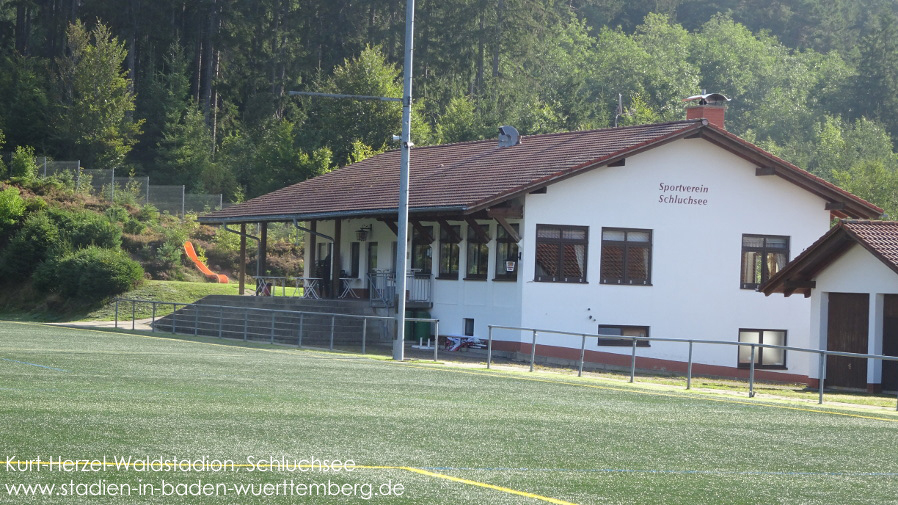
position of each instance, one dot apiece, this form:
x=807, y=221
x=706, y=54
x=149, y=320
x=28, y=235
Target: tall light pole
x=406, y=141
x=402, y=237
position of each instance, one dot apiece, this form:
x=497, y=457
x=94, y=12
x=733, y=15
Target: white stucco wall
x=696, y=256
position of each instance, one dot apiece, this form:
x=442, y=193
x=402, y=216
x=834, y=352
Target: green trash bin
x=423, y=328
x=410, y=325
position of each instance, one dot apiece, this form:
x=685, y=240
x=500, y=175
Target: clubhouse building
x=660, y=230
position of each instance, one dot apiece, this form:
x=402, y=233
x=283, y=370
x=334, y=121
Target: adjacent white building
x=851, y=277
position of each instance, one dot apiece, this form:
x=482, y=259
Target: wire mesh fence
x=104, y=183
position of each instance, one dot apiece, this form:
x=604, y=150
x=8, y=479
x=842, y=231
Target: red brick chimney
x=710, y=106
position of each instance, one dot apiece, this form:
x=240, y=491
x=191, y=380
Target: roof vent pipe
x=509, y=136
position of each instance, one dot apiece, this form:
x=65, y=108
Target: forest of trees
x=196, y=92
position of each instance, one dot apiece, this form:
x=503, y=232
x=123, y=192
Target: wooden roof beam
x=423, y=231
x=481, y=233
x=391, y=225
x=450, y=230
x=508, y=228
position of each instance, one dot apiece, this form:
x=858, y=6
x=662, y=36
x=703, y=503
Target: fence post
x=153, y=328
x=689, y=368
x=582, y=356
x=273, y=315
x=174, y=318
x=220, y=322
x=822, y=374
x=751, y=373
x=489, y=347
x=302, y=316
x=133, y=313
x=333, y=319
x=364, y=333
x=633, y=363
x=116, y=313
x=533, y=351
x=196, y=320
x=245, y=323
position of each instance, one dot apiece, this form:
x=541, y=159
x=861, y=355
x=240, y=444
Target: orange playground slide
x=188, y=248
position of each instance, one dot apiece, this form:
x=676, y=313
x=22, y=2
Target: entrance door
x=890, y=343
x=847, y=332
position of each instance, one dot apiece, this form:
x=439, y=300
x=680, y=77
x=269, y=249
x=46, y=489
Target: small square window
x=765, y=357
x=561, y=253
x=762, y=257
x=469, y=327
x=624, y=331
x=626, y=256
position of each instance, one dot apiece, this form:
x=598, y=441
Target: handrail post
x=174, y=318
x=821, y=374
x=333, y=320
x=582, y=356
x=196, y=320
x=133, y=313
x=689, y=368
x=633, y=363
x=220, y=322
x=436, y=338
x=751, y=373
x=533, y=351
x=489, y=347
x=273, y=315
x=116, y=312
x=245, y=323
x=364, y=332
x=153, y=328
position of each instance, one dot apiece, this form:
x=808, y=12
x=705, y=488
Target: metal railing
x=256, y=324
x=691, y=342
x=382, y=287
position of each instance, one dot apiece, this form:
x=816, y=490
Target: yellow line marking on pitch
x=652, y=393
x=488, y=486
x=119, y=465
x=495, y=374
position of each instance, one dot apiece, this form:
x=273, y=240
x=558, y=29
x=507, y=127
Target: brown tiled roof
x=880, y=238
x=467, y=177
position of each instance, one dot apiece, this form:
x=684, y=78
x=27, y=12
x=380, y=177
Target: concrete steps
x=296, y=321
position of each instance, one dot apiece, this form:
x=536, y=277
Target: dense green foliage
x=12, y=208
x=195, y=93
x=89, y=274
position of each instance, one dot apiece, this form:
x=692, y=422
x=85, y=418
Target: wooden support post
x=263, y=248
x=335, y=259
x=242, y=275
x=312, y=269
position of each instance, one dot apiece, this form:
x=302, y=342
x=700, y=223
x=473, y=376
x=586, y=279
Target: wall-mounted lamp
x=362, y=233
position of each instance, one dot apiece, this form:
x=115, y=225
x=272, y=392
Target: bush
x=83, y=228
x=23, y=165
x=29, y=246
x=89, y=275
x=12, y=209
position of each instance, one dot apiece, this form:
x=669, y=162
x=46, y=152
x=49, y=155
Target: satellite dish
x=509, y=136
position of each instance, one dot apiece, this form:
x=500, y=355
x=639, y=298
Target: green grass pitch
x=416, y=432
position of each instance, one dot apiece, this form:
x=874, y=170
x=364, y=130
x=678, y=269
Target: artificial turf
x=445, y=435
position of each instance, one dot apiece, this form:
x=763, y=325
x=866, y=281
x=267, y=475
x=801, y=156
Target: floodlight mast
x=405, y=148
x=402, y=237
